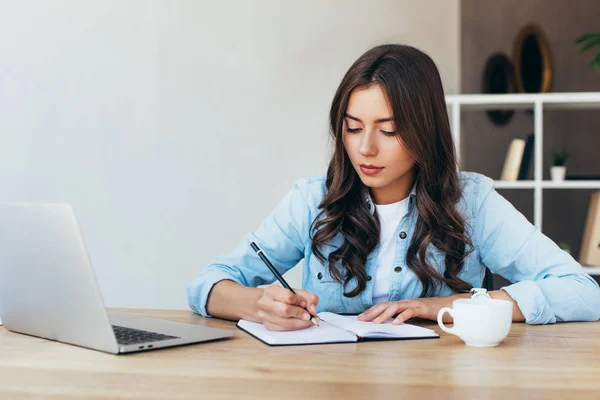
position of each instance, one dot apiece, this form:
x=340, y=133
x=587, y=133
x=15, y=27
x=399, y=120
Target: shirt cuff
x=199, y=289
x=531, y=302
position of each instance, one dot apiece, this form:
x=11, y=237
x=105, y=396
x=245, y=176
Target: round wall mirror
x=531, y=59
x=499, y=78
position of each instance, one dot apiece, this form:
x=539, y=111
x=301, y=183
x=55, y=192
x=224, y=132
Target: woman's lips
x=370, y=169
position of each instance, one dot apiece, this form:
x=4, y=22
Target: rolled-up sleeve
x=281, y=236
x=548, y=284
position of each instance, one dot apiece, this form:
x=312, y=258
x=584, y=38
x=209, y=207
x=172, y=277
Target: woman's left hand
x=427, y=308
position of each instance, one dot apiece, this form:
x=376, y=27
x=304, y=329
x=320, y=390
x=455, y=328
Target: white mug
x=479, y=322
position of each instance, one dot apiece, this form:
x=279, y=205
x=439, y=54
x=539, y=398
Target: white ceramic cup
x=479, y=322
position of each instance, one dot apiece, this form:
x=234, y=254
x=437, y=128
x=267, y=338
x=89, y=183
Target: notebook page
x=373, y=330
x=324, y=333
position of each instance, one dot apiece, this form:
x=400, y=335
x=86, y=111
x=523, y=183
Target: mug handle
x=441, y=323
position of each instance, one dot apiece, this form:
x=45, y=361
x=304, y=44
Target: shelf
x=592, y=270
x=515, y=184
x=538, y=103
x=525, y=101
x=547, y=184
x=571, y=185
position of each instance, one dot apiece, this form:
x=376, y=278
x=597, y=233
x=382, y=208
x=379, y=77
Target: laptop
x=48, y=288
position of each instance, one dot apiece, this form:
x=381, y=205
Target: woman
x=393, y=229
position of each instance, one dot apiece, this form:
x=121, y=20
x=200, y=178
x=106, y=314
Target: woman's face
x=370, y=139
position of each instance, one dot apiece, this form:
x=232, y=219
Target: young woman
x=393, y=229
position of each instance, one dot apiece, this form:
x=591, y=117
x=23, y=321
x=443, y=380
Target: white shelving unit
x=539, y=103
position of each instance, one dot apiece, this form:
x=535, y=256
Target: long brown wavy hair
x=413, y=87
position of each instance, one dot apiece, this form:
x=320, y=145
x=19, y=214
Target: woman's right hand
x=281, y=310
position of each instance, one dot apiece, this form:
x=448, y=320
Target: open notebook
x=335, y=328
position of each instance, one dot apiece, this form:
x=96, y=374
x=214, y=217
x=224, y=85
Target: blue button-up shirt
x=548, y=284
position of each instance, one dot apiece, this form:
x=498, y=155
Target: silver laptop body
x=48, y=288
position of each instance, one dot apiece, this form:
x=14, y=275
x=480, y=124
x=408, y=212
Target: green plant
x=588, y=41
x=560, y=157
x=565, y=246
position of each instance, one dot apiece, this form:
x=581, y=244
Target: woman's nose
x=367, y=145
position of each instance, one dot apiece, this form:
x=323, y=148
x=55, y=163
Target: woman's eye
x=355, y=130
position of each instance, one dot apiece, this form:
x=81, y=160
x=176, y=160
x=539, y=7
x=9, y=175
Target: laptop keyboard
x=127, y=336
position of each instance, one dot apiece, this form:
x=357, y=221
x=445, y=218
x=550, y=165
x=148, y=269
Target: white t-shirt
x=390, y=216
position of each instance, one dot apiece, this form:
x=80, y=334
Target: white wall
x=174, y=127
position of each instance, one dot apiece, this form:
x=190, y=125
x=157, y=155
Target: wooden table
x=554, y=361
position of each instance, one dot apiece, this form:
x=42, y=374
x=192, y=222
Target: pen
x=262, y=256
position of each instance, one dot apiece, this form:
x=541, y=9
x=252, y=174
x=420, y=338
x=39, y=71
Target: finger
x=287, y=324
x=373, y=312
x=283, y=295
x=389, y=312
x=289, y=311
x=310, y=298
x=267, y=305
x=406, y=315
x=271, y=305
x=310, y=302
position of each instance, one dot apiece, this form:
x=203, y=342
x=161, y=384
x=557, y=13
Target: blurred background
x=175, y=127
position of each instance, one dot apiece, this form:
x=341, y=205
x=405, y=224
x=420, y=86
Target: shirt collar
x=371, y=205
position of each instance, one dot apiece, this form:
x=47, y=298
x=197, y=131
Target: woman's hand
x=427, y=308
x=281, y=310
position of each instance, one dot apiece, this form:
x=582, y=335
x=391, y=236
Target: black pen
x=262, y=256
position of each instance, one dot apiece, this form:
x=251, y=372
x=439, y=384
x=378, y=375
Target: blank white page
x=371, y=329
x=324, y=333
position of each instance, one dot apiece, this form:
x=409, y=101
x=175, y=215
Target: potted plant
x=588, y=41
x=559, y=167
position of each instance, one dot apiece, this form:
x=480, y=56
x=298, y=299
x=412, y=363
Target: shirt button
x=319, y=275
x=402, y=235
x=369, y=277
x=398, y=269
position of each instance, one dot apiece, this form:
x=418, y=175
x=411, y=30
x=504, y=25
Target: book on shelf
x=526, y=159
x=590, y=247
x=512, y=163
